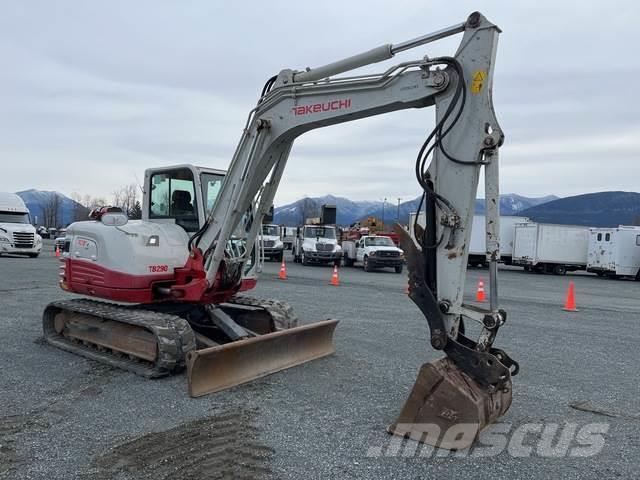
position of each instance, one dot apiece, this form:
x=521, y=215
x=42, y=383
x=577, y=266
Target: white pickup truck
x=373, y=251
x=17, y=235
x=317, y=244
x=270, y=242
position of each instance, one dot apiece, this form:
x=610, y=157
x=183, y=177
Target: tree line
x=127, y=198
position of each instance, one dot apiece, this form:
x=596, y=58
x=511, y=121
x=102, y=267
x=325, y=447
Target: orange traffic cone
x=283, y=271
x=407, y=289
x=334, y=278
x=480, y=292
x=570, y=302
x=57, y=251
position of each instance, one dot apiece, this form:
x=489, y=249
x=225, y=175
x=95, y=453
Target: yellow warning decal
x=478, y=81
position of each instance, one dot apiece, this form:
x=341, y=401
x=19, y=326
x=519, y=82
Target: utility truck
x=317, y=244
x=288, y=236
x=550, y=248
x=271, y=245
x=614, y=252
x=17, y=235
x=373, y=252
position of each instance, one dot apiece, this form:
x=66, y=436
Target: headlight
x=338, y=248
x=4, y=240
x=38, y=239
x=372, y=253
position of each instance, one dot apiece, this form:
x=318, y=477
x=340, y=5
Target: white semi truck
x=614, y=252
x=271, y=245
x=17, y=235
x=317, y=244
x=550, y=248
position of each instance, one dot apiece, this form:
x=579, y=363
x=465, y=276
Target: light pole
x=398, y=214
x=383, y=202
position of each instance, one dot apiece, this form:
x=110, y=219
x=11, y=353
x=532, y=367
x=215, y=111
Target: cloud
x=94, y=93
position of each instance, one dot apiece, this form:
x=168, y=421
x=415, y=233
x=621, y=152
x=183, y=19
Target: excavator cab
x=182, y=194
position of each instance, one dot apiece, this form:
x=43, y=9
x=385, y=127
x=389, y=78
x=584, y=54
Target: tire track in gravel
x=216, y=447
x=12, y=429
x=16, y=428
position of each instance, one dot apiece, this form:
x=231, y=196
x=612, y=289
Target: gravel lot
x=64, y=417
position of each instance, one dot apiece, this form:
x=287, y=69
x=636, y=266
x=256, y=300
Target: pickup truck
x=373, y=251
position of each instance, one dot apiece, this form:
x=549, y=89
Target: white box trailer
x=614, y=252
x=550, y=248
x=477, y=246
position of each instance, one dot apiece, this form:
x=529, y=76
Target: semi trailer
x=614, y=252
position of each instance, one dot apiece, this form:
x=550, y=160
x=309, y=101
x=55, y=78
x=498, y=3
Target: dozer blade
x=447, y=409
x=213, y=369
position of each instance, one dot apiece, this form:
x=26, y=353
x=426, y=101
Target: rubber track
x=281, y=312
x=174, y=335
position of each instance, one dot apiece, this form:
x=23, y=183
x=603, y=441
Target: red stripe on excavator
x=87, y=278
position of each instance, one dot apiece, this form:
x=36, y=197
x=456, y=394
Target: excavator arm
x=472, y=384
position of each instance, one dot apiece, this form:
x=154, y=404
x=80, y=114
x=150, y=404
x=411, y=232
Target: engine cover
x=122, y=263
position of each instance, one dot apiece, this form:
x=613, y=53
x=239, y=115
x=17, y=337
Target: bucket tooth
x=213, y=369
x=447, y=409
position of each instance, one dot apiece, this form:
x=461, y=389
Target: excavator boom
x=195, y=299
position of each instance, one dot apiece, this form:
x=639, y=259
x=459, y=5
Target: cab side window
x=173, y=196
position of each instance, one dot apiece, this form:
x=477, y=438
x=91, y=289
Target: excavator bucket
x=448, y=409
x=216, y=368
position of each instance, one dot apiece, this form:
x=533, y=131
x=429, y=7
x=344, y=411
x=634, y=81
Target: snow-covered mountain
x=37, y=200
x=350, y=211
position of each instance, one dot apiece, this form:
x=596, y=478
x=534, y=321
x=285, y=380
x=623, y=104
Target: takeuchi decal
x=322, y=107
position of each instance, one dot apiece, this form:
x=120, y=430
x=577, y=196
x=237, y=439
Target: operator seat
x=181, y=203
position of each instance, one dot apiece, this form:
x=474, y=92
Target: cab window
x=599, y=237
x=211, y=185
x=173, y=196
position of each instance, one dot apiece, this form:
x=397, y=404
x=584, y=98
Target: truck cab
x=17, y=235
x=373, y=251
x=317, y=244
x=270, y=242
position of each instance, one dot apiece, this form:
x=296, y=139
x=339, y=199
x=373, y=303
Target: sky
x=92, y=93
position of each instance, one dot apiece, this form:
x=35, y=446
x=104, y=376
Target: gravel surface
x=65, y=417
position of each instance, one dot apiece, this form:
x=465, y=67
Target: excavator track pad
x=447, y=408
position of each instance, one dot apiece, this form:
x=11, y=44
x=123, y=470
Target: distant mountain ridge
x=38, y=200
x=602, y=209
x=349, y=211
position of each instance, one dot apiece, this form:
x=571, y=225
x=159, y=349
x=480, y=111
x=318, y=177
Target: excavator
x=169, y=291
